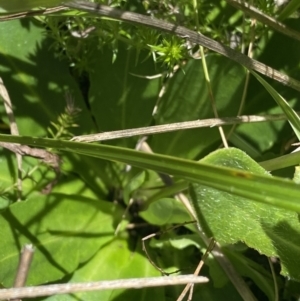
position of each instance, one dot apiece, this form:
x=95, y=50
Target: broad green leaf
x=231, y=219
x=187, y=98
x=165, y=211
x=115, y=261
x=120, y=98
x=135, y=183
x=272, y=191
x=259, y=137
x=4, y=202
x=65, y=231
x=37, y=82
x=72, y=184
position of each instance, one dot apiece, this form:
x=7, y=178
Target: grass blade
x=270, y=190
x=291, y=115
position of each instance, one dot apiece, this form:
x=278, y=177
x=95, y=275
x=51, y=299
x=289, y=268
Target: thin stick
x=24, y=150
x=189, y=35
x=24, y=264
x=54, y=289
x=23, y=268
x=157, y=129
x=190, y=286
x=32, y=13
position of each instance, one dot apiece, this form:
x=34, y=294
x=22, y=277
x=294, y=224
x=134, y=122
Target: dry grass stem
x=71, y=288
x=165, y=128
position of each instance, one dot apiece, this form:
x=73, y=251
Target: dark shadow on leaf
x=286, y=242
x=57, y=215
x=17, y=229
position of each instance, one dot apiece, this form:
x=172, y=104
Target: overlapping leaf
x=231, y=219
x=65, y=231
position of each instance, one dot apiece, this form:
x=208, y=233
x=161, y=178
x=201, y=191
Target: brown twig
x=165, y=128
x=190, y=35
x=68, y=288
x=190, y=286
x=24, y=150
x=23, y=268
x=32, y=13
x=265, y=19
x=24, y=264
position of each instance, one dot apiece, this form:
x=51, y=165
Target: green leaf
x=4, y=202
x=136, y=182
x=120, y=98
x=264, y=228
x=255, y=139
x=65, y=231
x=186, y=98
x=114, y=261
x=31, y=181
x=37, y=82
x=165, y=211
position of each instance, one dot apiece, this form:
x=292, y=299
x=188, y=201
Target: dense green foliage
x=71, y=74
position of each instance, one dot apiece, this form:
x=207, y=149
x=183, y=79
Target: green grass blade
x=274, y=191
x=281, y=162
x=291, y=115
x=290, y=8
